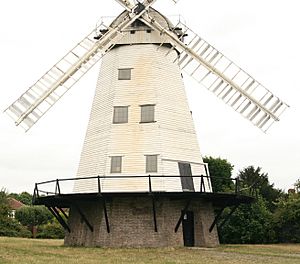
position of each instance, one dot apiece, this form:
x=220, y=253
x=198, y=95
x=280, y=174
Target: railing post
x=57, y=187
x=202, y=186
x=35, y=194
x=99, y=185
x=150, y=186
x=37, y=190
x=237, y=185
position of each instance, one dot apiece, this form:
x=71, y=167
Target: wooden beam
x=217, y=217
x=56, y=214
x=83, y=217
x=182, y=215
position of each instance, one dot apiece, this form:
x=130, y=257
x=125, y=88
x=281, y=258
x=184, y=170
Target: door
x=188, y=229
x=185, y=172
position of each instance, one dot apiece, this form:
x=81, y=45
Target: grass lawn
x=19, y=250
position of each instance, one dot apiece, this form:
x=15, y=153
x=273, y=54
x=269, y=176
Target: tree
x=220, y=171
x=297, y=186
x=51, y=230
x=287, y=218
x=254, y=178
x=33, y=216
x=251, y=223
x=8, y=225
x=4, y=207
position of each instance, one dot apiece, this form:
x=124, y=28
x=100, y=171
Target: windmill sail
x=222, y=76
x=40, y=97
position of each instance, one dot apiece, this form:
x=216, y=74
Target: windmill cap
x=138, y=32
x=161, y=19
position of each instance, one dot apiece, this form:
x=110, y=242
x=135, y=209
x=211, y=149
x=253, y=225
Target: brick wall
x=132, y=225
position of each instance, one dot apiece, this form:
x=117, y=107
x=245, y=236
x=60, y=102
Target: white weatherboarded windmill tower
x=141, y=173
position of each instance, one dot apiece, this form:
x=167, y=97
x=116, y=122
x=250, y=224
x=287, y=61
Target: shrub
x=51, y=230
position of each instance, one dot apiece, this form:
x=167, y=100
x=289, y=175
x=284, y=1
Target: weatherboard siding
x=155, y=79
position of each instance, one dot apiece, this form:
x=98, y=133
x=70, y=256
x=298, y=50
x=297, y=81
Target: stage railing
x=149, y=183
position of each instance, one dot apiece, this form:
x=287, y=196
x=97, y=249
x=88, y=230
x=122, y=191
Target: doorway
x=188, y=229
x=185, y=172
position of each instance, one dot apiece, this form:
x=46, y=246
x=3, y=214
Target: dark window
x=151, y=163
x=124, y=74
x=120, y=114
x=116, y=164
x=147, y=113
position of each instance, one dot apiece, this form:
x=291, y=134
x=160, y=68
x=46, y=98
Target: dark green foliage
x=33, y=215
x=220, y=172
x=51, y=230
x=249, y=224
x=252, y=223
x=287, y=219
x=4, y=207
x=258, y=181
x=27, y=217
x=9, y=226
x=12, y=228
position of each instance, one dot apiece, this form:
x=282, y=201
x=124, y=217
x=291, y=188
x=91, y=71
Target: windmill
x=140, y=138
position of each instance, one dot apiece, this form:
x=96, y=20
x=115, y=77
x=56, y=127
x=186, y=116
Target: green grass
x=32, y=251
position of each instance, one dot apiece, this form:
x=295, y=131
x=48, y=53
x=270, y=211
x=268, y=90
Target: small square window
x=151, y=163
x=124, y=74
x=147, y=113
x=120, y=114
x=116, y=164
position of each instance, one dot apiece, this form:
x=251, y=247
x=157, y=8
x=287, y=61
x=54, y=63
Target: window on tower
x=147, y=113
x=120, y=114
x=116, y=164
x=151, y=163
x=124, y=74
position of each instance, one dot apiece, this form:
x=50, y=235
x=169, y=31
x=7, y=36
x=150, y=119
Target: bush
x=11, y=228
x=51, y=230
x=287, y=218
x=250, y=224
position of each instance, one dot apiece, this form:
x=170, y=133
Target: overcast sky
x=261, y=36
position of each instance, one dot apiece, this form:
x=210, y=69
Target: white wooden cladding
x=156, y=80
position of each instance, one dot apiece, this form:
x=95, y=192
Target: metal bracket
x=229, y=215
x=217, y=217
x=183, y=212
x=63, y=212
x=153, y=203
x=83, y=217
x=105, y=215
x=154, y=213
x=59, y=218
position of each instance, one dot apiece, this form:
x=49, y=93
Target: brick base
x=132, y=225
